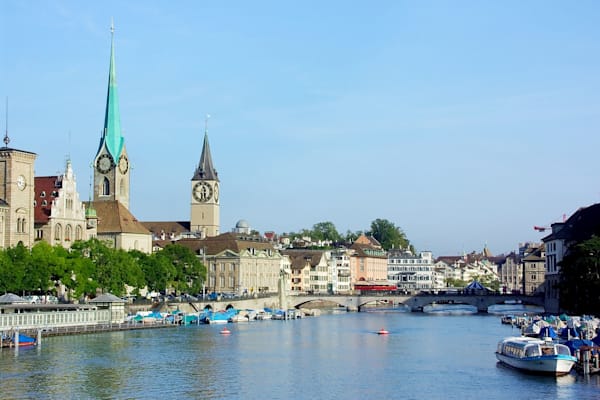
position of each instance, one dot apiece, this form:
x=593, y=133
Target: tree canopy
x=580, y=278
x=389, y=235
x=91, y=266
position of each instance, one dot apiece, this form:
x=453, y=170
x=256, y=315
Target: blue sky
x=464, y=123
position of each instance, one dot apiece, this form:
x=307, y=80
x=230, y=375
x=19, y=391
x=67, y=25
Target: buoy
x=382, y=332
x=225, y=331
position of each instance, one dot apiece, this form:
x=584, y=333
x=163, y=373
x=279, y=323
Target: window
x=58, y=232
x=106, y=187
x=68, y=233
x=122, y=187
x=43, y=194
x=78, y=233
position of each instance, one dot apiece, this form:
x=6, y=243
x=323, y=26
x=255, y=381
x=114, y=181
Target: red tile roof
x=45, y=189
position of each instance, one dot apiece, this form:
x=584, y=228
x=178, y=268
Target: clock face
x=202, y=192
x=21, y=182
x=216, y=192
x=104, y=163
x=123, y=164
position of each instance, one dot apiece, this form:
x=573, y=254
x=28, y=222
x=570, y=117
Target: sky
x=464, y=123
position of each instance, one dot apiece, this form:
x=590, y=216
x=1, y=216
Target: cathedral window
x=78, y=233
x=106, y=187
x=58, y=232
x=68, y=233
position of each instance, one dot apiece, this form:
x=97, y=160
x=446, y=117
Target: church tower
x=205, y=195
x=16, y=195
x=111, y=165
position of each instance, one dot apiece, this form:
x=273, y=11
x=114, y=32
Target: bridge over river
x=416, y=302
x=356, y=302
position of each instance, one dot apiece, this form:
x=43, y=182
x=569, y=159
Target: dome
x=242, y=224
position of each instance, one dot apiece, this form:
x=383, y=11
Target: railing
x=53, y=319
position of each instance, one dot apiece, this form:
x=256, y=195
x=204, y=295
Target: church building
x=116, y=225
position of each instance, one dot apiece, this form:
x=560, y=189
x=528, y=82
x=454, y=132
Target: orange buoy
x=382, y=332
x=225, y=331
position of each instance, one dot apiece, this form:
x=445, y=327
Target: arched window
x=78, y=233
x=122, y=187
x=106, y=187
x=68, y=233
x=58, y=232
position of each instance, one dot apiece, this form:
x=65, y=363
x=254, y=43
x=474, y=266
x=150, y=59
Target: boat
x=535, y=355
x=23, y=341
x=383, y=331
x=225, y=331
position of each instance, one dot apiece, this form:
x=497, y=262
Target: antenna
x=6, y=138
x=112, y=26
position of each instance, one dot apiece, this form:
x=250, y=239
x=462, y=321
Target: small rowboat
x=225, y=331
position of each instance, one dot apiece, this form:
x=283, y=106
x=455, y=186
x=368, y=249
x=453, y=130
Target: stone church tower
x=205, y=206
x=111, y=165
x=16, y=196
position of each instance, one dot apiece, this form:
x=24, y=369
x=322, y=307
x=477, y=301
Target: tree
x=189, y=274
x=325, y=231
x=580, y=278
x=388, y=234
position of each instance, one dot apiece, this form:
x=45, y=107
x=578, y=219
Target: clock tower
x=205, y=195
x=111, y=164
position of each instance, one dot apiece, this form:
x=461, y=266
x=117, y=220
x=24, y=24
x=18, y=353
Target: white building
x=410, y=272
x=339, y=271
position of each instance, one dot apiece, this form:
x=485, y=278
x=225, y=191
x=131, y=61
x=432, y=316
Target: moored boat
x=23, y=341
x=535, y=355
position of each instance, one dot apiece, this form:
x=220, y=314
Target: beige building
x=16, y=196
x=60, y=215
x=310, y=270
x=510, y=274
x=238, y=263
x=118, y=228
x=534, y=270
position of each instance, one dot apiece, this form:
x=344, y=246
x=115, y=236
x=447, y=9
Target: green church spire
x=112, y=119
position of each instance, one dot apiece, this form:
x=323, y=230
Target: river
x=326, y=357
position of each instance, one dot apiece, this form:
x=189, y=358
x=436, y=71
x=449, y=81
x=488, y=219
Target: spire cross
x=112, y=26
x=206, y=123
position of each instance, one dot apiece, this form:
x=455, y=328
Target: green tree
x=580, y=278
x=189, y=274
x=19, y=259
x=388, y=234
x=325, y=231
x=10, y=278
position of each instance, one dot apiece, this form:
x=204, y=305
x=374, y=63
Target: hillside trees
x=388, y=234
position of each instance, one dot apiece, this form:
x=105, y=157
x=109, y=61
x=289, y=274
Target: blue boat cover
x=548, y=331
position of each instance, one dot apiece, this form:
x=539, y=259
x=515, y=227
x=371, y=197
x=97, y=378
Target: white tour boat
x=535, y=355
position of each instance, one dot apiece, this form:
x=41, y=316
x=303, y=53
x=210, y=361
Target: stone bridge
x=355, y=302
x=414, y=302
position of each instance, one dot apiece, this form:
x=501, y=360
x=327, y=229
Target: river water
x=327, y=357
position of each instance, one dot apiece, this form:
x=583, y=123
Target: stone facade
x=16, y=197
x=60, y=215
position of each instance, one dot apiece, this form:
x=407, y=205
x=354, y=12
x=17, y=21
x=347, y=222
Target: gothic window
x=58, y=232
x=106, y=187
x=78, y=233
x=68, y=233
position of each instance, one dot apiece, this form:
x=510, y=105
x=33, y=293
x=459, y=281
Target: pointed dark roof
x=206, y=170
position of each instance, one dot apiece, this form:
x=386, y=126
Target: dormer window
x=55, y=194
x=44, y=203
x=43, y=194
